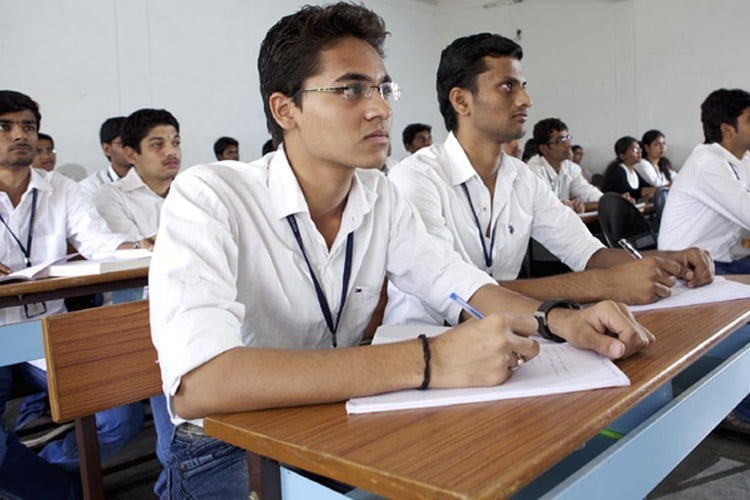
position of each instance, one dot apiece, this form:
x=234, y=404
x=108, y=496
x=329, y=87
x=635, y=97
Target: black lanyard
x=109, y=176
x=27, y=249
x=487, y=255
x=322, y=301
x=734, y=171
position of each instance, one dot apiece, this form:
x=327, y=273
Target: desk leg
x=265, y=477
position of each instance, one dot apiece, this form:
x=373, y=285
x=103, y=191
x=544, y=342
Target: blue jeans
x=164, y=432
x=115, y=428
x=740, y=266
x=203, y=467
x=23, y=473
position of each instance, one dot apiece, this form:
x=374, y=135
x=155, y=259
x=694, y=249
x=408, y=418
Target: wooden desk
x=590, y=218
x=23, y=341
x=491, y=450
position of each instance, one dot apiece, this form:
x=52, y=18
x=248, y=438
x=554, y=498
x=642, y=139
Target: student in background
x=40, y=213
x=529, y=150
x=299, y=243
x=487, y=205
x=709, y=202
x=111, y=144
x=268, y=147
x=578, y=155
x=45, y=155
x=553, y=165
x=227, y=148
x=416, y=136
x=620, y=175
x=655, y=168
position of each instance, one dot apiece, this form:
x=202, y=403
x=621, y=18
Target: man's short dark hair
x=411, y=131
x=139, y=124
x=111, y=129
x=544, y=128
x=722, y=106
x=290, y=51
x=12, y=101
x=47, y=137
x=223, y=143
x=462, y=61
x=268, y=147
x=576, y=147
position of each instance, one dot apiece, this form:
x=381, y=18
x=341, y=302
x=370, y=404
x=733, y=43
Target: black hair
x=462, y=61
x=12, y=101
x=544, y=128
x=529, y=150
x=47, y=137
x=576, y=147
x=411, y=131
x=139, y=124
x=290, y=52
x=722, y=106
x=111, y=129
x=223, y=143
x=621, y=146
x=665, y=165
x=268, y=147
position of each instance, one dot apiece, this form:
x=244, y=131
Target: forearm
x=607, y=257
x=498, y=299
x=587, y=286
x=246, y=378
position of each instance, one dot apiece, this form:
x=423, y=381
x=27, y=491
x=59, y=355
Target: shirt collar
x=132, y=181
x=462, y=170
x=40, y=180
x=288, y=198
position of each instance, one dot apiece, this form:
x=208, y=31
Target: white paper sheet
x=720, y=290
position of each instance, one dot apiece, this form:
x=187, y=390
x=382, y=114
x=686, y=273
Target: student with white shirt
x=655, y=168
x=265, y=275
x=151, y=140
x=487, y=205
x=553, y=164
x=709, y=202
x=40, y=213
x=119, y=166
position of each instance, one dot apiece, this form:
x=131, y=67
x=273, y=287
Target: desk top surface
x=482, y=450
x=20, y=292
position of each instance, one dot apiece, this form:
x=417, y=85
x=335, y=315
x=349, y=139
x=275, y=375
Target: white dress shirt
x=709, y=205
x=91, y=184
x=522, y=207
x=129, y=206
x=652, y=175
x=227, y=270
x=568, y=183
x=62, y=214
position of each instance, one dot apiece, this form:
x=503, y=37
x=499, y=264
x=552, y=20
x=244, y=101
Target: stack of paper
x=720, y=290
x=557, y=369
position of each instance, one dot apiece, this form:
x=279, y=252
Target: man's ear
x=727, y=131
x=107, y=148
x=282, y=109
x=130, y=154
x=461, y=100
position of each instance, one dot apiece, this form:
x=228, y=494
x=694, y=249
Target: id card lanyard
x=26, y=250
x=322, y=301
x=493, y=233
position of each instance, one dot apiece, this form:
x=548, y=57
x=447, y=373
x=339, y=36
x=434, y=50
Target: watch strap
x=543, y=311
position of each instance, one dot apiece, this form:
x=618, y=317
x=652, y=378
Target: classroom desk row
x=23, y=341
x=494, y=450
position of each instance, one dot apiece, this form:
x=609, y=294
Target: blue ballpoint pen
x=467, y=307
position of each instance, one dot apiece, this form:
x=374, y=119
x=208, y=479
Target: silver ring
x=520, y=359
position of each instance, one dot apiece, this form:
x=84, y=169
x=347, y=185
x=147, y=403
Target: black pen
x=625, y=244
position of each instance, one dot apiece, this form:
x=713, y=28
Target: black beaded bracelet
x=426, y=352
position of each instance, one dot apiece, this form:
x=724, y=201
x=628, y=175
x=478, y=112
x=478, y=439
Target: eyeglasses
x=49, y=151
x=389, y=91
x=562, y=139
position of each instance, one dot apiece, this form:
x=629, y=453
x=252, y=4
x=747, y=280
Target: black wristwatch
x=541, y=317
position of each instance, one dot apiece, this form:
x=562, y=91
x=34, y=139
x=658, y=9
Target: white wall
x=86, y=60
x=610, y=68
x=606, y=67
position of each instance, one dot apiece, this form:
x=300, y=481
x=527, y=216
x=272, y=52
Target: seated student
x=151, y=142
x=416, y=136
x=111, y=144
x=655, y=168
x=620, y=175
x=487, y=205
x=40, y=213
x=709, y=202
x=553, y=164
x=299, y=243
x=227, y=148
x=45, y=155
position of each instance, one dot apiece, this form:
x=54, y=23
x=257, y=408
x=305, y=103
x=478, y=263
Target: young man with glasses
x=553, y=165
x=40, y=213
x=487, y=205
x=119, y=166
x=265, y=275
